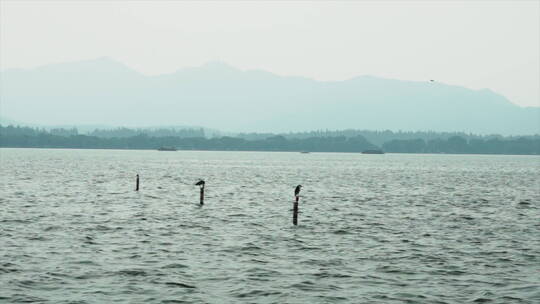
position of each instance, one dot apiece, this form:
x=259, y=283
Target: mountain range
x=216, y=95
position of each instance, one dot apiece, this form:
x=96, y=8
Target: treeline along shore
x=25, y=137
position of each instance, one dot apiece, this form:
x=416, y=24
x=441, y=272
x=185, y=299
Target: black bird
x=297, y=190
x=200, y=183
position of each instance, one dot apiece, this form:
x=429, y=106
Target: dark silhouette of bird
x=297, y=190
x=200, y=183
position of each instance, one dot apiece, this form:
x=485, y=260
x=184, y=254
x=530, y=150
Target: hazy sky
x=476, y=44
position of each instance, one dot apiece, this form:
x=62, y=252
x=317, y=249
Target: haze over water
x=390, y=228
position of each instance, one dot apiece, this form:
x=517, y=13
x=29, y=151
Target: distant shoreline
x=24, y=137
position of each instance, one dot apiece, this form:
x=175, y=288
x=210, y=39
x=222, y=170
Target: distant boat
x=167, y=149
x=304, y=152
x=373, y=152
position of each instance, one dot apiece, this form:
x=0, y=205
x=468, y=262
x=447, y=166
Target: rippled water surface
x=390, y=228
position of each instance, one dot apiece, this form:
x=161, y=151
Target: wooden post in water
x=295, y=206
x=137, y=183
x=202, y=195
x=295, y=212
x=201, y=185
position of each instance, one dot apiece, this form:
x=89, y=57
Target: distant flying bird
x=200, y=183
x=297, y=190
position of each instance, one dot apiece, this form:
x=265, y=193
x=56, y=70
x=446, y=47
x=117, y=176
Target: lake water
x=391, y=228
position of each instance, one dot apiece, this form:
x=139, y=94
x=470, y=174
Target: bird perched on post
x=297, y=190
x=200, y=183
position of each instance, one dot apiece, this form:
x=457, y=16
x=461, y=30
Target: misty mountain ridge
x=216, y=95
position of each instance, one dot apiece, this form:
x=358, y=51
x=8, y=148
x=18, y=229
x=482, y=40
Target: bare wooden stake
x=137, y=183
x=295, y=206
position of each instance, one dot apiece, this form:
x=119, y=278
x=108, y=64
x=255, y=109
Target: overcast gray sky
x=476, y=44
